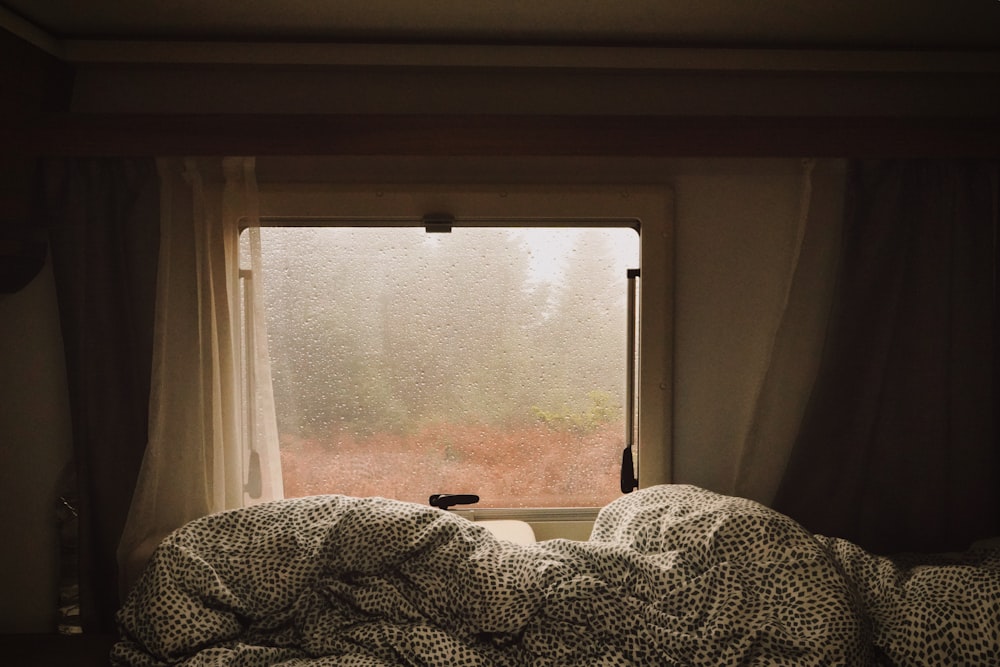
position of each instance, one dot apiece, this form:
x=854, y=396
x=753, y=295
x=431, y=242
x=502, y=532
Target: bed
x=672, y=575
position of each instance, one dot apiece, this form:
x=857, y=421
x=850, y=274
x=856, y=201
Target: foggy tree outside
x=485, y=360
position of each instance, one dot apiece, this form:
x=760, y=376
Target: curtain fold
x=197, y=458
x=102, y=217
x=262, y=458
x=898, y=449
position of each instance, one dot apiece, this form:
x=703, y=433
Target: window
x=460, y=342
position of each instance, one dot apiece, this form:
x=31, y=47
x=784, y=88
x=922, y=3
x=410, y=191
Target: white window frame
x=646, y=208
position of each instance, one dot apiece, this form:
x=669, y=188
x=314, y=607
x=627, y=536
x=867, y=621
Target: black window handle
x=446, y=500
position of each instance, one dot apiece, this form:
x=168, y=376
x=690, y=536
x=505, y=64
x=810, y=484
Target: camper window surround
x=646, y=209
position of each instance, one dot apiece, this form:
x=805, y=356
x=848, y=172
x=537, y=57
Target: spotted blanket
x=672, y=575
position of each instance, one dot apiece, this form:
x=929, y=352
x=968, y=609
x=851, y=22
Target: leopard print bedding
x=672, y=575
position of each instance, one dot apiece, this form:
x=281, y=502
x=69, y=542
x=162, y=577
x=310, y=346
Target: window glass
x=486, y=360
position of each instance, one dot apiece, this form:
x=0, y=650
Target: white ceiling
x=825, y=24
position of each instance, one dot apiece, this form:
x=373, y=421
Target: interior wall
x=35, y=454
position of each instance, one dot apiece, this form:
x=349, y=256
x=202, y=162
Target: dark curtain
x=102, y=217
x=898, y=447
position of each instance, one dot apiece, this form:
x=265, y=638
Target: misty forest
x=484, y=360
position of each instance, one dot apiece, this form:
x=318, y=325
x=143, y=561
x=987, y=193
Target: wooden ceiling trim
x=500, y=135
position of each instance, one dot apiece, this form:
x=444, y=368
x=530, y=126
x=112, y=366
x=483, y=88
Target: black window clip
x=446, y=500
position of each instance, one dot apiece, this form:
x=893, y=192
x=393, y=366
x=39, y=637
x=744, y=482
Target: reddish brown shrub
x=526, y=466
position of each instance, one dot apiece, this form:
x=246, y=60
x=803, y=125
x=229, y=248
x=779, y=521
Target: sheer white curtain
x=782, y=390
x=212, y=435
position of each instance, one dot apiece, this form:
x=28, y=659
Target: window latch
x=438, y=223
x=446, y=500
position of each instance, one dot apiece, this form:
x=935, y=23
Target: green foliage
x=599, y=411
x=457, y=331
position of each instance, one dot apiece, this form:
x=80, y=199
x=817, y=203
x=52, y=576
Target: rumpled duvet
x=672, y=575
